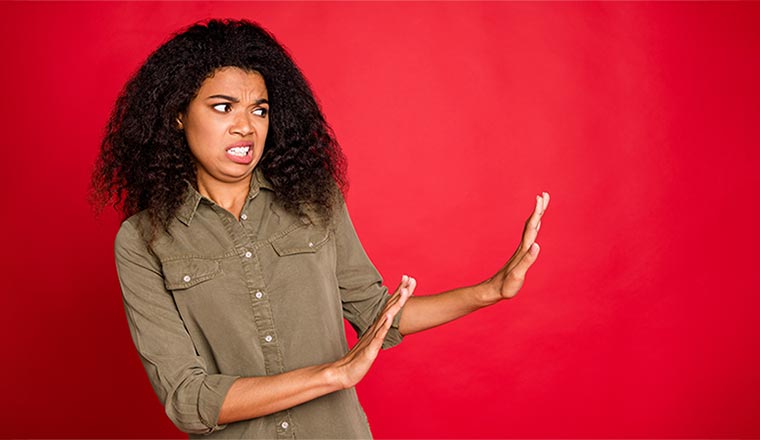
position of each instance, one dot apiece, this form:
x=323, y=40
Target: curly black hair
x=144, y=159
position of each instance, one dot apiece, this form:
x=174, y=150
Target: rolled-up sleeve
x=363, y=294
x=192, y=397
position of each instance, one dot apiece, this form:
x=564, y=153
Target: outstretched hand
x=352, y=367
x=508, y=281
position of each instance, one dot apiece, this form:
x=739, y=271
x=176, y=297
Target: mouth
x=241, y=152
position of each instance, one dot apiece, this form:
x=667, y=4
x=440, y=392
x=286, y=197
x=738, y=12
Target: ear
x=180, y=125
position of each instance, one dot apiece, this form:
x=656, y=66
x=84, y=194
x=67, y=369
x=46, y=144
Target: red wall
x=640, y=316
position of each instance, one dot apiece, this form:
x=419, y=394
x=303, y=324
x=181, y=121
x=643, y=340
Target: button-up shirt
x=220, y=298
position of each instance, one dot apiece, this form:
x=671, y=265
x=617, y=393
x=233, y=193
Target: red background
x=639, y=318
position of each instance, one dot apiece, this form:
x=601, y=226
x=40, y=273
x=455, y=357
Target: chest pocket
x=189, y=272
x=307, y=239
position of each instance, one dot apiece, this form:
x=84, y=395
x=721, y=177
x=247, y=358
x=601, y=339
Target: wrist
x=334, y=377
x=487, y=293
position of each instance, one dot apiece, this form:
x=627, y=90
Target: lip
x=240, y=144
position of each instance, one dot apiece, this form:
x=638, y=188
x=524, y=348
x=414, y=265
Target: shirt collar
x=193, y=198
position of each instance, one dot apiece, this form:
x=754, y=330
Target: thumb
x=515, y=277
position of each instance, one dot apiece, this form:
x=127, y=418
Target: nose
x=242, y=124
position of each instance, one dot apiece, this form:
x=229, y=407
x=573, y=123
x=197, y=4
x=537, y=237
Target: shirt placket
x=260, y=305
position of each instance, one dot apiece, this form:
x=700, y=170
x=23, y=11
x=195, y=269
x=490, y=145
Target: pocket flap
x=187, y=272
x=307, y=239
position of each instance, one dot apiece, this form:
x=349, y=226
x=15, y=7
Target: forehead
x=234, y=80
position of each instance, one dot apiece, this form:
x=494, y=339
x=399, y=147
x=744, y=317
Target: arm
x=257, y=396
x=252, y=397
x=424, y=312
x=362, y=293
x=190, y=395
x=197, y=401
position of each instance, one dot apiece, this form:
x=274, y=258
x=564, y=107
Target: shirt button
x=284, y=425
x=268, y=338
x=311, y=244
x=248, y=254
x=186, y=278
x=243, y=217
x=259, y=295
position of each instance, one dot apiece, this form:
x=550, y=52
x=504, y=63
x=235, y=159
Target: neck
x=229, y=195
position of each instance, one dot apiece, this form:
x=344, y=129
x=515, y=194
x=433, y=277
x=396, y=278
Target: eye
x=224, y=107
x=261, y=111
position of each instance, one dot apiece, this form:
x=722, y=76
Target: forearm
x=424, y=312
x=251, y=397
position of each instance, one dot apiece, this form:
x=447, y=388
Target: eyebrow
x=236, y=100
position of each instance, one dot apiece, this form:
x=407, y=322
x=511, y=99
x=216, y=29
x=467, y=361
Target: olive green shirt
x=221, y=298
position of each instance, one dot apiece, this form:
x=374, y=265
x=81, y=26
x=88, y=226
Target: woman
x=238, y=260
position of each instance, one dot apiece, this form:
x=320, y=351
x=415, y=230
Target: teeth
x=239, y=151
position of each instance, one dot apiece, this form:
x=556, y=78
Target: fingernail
x=534, y=249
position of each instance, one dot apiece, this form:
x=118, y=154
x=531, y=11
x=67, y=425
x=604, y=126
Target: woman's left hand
x=508, y=281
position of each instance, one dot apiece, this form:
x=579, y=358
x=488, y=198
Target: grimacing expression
x=226, y=125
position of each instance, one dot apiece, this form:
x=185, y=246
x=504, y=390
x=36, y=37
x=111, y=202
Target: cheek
x=199, y=146
x=193, y=144
x=195, y=155
x=201, y=137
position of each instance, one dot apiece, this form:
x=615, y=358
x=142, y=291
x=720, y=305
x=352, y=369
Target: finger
x=395, y=298
x=375, y=341
x=521, y=268
x=396, y=306
x=412, y=285
x=531, y=227
x=393, y=311
x=536, y=214
x=392, y=307
x=530, y=231
x=369, y=336
x=384, y=321
x=534, y=222
x=396, y=294
x=404, y=279
x=405, y=284
x=541, y=205
x=544, y=205
x=402, y=300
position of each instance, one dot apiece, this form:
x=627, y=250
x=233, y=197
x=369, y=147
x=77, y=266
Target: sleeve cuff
x=211, y=397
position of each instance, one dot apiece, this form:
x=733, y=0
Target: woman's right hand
x=352, y=367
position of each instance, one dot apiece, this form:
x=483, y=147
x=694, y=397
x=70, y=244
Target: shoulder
x=132, y=226
x=132, y=235
x=340, y=216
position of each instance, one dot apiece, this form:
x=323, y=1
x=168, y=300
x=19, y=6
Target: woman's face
x=226, y=125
